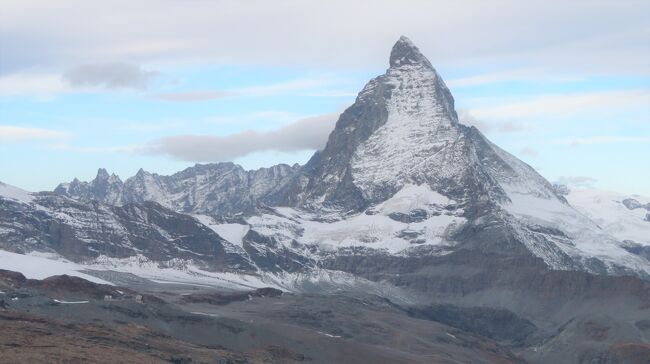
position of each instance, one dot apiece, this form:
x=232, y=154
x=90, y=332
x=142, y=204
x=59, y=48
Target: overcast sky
x=564, y=85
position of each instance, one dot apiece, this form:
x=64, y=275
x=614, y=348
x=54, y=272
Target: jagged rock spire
x=102, y=173
x=404, y=52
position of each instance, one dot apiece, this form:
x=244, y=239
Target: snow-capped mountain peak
x=403, y=131
x=404, y=52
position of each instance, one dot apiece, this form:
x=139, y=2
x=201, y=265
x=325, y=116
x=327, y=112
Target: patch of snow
x=15, y=193
x=546, y=209
x=42, y=265
x=204, y=314
x=329, y=335
x=187, y=273
x=412, y=197
x=181, y=283
x=70, y=302
x=418, y=132
x=233, y=233
x=179, y=272
x=374, y=231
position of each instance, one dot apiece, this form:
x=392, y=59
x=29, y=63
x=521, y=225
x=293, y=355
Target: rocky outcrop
x=633, y=204
x=82, y=231
x=498, y=324
x=221, y=298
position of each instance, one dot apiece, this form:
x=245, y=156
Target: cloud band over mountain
x=305, y=134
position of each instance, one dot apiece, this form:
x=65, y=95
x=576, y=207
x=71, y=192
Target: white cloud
x=587, y=35
x=562, y=104
x=104, y=149
x=109, y=75
x=46, y=85
x=10, y=133
x=528, y=151
x=116, y=76
x=466, y=117
x=308, y=86
x=577, y=181
x=189, y=96
x=536, y=75
x=603, y=140
x=39, y=85
x=284, y=87
x=257, y=118
x=305, y=134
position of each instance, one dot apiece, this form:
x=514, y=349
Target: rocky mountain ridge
x=218, y=189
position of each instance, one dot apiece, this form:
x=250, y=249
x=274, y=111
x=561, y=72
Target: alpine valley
x=410, y=238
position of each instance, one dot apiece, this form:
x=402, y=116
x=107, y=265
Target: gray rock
x=632, y=204
x=416, y=215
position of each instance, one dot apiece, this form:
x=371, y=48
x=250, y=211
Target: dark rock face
x=640, y=250
x=328, y=172
x=465, y=272
x=62, y=286
x=106, y=188
x=404, y=52
x=633, y=204
x=81, y=231
x=416, y=215
x=220, y=298
x=271, y=256
x=498, y=324
x=561, y=190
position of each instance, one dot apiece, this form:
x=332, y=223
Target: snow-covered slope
x=42, y=265
x=615, y=213
x=15, y=194
x=421, y=127
x=413, y=218
x=544, y=222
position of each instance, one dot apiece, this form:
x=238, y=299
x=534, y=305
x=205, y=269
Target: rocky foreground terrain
x=410, y=238
x=67, y=319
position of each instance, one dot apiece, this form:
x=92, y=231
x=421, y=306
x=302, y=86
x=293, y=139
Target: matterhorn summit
x=403, y=129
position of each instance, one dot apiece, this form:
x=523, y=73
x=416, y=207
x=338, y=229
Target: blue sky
x=83, y=86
